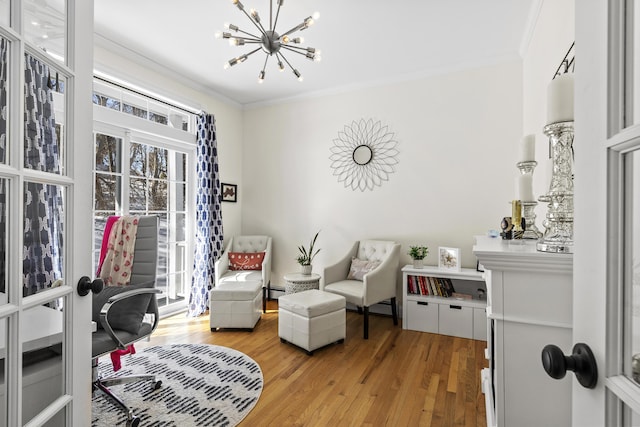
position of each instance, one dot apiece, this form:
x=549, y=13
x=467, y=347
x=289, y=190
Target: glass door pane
x=45, y=26
x=44, y=139
x=42, y=359
x=42, y=261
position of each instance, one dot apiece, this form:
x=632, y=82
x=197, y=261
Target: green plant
x=306, y=256
x=418, y=252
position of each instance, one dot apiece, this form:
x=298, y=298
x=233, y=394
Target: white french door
x=45, y=204
x=607, y=194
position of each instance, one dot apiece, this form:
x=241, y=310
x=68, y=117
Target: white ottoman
x=235, y=305
x=311, y=319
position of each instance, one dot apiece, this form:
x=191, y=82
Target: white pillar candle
x=560, y=99
x=525, y=187
x=528, y=147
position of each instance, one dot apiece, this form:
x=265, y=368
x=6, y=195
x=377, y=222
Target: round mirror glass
x=362, y=154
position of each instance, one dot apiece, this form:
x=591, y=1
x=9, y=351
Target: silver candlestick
x=558, y=235
x=528, y=207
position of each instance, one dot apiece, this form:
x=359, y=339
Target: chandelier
x=269, y=41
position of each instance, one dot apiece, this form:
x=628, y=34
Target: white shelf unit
x=458, y=317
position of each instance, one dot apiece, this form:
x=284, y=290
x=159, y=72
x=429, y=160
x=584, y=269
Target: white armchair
x=377, y=285
x=239, y=294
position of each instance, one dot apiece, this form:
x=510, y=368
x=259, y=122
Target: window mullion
x=126, y=172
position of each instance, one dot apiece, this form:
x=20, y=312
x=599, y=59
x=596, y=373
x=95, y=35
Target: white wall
x=458, y=139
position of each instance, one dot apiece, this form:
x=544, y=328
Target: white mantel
x=529, y=305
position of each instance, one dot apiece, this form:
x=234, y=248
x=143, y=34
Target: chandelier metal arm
x=289, y=64
x=253, y=21
x=296, y=72
x=294, y=29
x=306, y=53
x=299, y=48
x=245, y=56
x=241, y=58
x=248, y=33
x=262, y=29
x=308, y=21
x=264, y=67
x=280, y=58
x=277, y=15
x=249, y=40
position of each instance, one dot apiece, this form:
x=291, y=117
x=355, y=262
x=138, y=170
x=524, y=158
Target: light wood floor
x=396, y=378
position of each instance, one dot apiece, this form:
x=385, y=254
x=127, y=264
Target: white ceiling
x=363, y=42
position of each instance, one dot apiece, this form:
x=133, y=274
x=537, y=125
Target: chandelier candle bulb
x=528, y=146
x=560, y=99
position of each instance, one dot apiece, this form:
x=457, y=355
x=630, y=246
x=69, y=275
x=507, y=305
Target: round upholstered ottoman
x=311, y=319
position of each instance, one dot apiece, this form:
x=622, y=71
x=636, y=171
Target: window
x=143, y=172
x=115, y=97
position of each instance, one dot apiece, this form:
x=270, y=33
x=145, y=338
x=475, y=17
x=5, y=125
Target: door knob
x=581, y=362
x=85, y=285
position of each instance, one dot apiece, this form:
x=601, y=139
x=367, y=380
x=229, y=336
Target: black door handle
x=85, y=285
x=581, y=362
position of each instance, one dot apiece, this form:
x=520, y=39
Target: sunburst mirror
x=364, y=154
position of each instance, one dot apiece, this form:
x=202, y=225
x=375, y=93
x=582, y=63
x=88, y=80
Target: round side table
x=298, y=282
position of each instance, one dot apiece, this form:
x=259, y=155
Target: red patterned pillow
x=245, y=260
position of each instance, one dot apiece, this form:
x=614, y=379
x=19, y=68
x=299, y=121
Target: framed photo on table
x=229, y=192
x=449, y=258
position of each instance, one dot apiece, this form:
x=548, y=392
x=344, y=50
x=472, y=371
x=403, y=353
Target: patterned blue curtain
x=3, y=142
x=209, y=239
x=43, y=203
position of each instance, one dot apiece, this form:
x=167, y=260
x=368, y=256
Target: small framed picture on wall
x=449, y=258
x=229, y=192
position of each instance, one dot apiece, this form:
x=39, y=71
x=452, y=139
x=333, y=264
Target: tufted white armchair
x=377, y=285
x=245, y=244
x=236, y=293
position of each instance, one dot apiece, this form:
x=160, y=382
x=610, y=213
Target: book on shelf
x=447, y=284
x=430, y=286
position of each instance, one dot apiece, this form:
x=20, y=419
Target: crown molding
x=108, y=44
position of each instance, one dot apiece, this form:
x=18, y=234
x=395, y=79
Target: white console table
x=529, y=305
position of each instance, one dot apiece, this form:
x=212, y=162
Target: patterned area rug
x=202, y=385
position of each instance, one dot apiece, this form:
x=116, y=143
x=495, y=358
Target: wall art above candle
x=364, y=154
